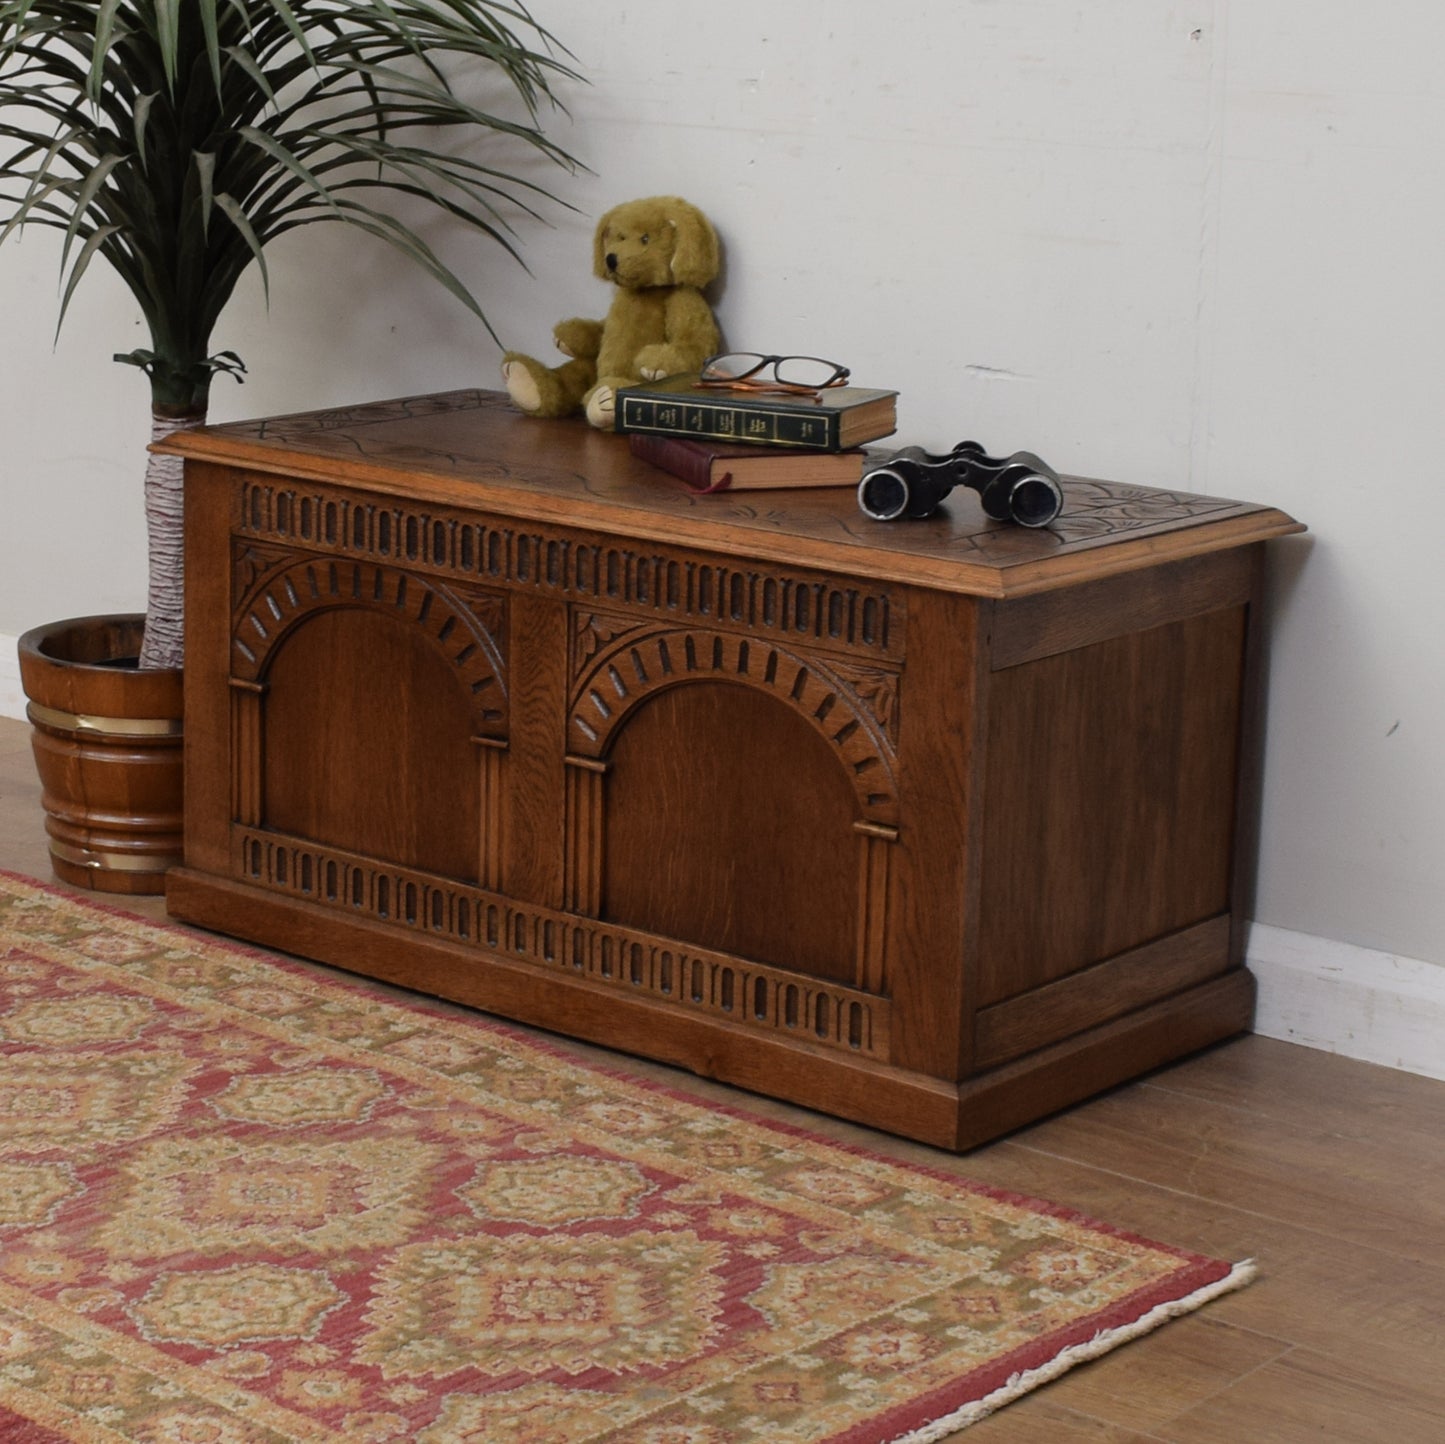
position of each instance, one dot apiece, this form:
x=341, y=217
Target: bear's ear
x=695, y=256
x=599, y=245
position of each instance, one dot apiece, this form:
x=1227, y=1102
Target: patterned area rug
x=244, y=1201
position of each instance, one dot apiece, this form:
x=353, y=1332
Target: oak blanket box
x=936, y=826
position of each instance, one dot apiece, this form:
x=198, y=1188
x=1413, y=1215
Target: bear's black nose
x=612, y=260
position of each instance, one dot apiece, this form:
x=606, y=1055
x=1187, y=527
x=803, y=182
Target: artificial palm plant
x=178, y=138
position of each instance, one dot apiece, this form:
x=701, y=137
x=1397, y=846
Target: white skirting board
x=12, y=699
x=1349, y=1000
x=1316, y=991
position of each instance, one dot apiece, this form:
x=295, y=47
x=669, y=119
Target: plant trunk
x=164, y=644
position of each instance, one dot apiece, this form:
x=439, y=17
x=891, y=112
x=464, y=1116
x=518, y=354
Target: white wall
x=1186, y=242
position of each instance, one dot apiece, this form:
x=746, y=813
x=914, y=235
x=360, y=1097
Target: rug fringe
x=1102, y=1343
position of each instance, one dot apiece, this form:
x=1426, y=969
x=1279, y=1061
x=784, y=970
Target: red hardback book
x=715, y=466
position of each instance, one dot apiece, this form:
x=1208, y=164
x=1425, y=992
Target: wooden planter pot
x=107, y=742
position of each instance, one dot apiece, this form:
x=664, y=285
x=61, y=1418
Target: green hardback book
x=831, y=420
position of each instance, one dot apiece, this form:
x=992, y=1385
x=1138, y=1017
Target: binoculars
x=1019, y=488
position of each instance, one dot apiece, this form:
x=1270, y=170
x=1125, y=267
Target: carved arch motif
x=618, y=665
x=464, y=629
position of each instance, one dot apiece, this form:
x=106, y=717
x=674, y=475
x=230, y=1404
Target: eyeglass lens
x=810, y=371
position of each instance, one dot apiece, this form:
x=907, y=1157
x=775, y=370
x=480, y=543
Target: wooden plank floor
x=1330, y=1173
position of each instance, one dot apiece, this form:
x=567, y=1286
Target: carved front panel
x=279, y=589
x=370, y=708
x=692, y=980
x=821, y=651
x=618, y=664
x=768, y=822
x=858, y=617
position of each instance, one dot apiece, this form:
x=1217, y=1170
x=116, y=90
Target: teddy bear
x=659, y=252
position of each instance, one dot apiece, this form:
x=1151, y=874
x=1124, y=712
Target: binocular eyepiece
x=1021, y=488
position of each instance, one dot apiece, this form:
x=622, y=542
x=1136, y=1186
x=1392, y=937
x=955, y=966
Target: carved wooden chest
x=937, y=826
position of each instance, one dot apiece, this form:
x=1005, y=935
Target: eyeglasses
x=752, y=371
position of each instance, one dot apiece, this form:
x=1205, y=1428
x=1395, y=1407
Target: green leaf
x=405, y=240
x=298, y=32
x=82, y=262
x=104, y=28
x=168, y=37
x=143, y=105
x=143, y=359
x=211, y=31
x=42, y=175
x=245, y=61
x=206, y=174
x=239, y=219
x=83, y=199
x=36, y=207
x=287, y=159
x=228, y=362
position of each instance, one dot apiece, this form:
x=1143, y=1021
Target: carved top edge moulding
x=469, y=447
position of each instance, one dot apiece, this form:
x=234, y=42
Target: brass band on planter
x=115, y=726
x=115, y=861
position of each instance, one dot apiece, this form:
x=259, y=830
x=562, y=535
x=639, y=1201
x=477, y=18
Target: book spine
x=684, y=460
x=816, y=430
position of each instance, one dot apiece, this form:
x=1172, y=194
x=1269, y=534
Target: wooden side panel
x=1110, y=799
x=1251, y=757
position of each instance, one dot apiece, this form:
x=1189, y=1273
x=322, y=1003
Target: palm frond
x=179, y=138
